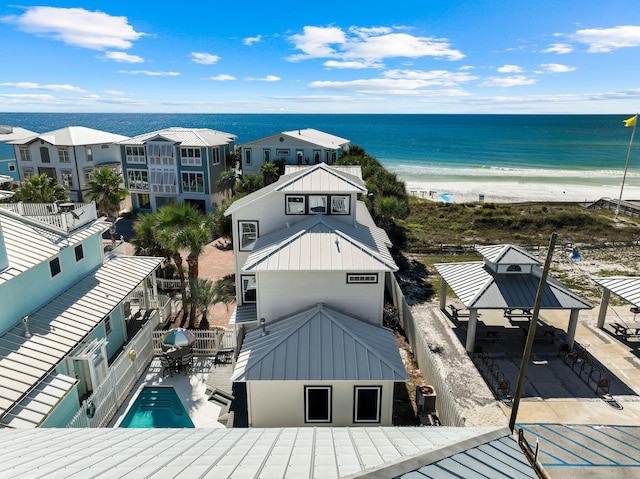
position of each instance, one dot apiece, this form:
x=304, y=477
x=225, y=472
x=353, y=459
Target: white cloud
x=204, y=58
x=353, y=65
x=387, y=86
x=559, y=48
x=510, y=69
x=367, y=45
x=557, y=68
x=29, y=97
x=516, y=80
x=77, y=26
x=431, y=78
x=123, y=57
x=316, y=98
x=268, y=78
x=602, y=40
x=35, y=86
x=251, y=40
x=113, y=92
x=150, y=73
x=222, y=77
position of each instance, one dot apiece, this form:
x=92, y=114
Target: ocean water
x=554, y=149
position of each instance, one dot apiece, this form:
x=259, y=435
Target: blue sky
x=493, y=56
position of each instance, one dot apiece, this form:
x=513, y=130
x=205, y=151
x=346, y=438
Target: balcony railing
x=63, y=216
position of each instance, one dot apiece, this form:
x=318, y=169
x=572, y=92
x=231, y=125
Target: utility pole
x=531, y=334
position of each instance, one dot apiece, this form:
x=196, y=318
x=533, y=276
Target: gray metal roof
x=30, y=243
x=10, y=133
x=321, y=243
x=72, y=136
x=478, y=287
x=353, y=170
x=244, y=313
x=627, y=287
x=201, y=137
x=310, y=136
x=295, y=349
x=57, y=328
x=321, y=452
x=319, y=178
x=507, y=254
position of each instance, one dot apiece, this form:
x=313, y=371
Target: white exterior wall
x=281, y=403
x=282, y=293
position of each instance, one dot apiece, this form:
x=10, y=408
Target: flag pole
x=626, y=166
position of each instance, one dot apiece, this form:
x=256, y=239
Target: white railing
x=208, y=342
x=168, y=283
x=52, y=215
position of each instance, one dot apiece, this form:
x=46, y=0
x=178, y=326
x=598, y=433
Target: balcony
x=62, y=216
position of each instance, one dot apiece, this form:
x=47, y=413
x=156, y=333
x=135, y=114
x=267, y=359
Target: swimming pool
x=157, y=407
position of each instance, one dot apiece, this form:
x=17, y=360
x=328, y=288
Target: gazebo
x=626, y=288
x=507, y=278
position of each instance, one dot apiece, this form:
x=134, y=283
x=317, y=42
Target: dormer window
x=295, y=205
x=317, y=204
x=514, y=268
x=340, y=205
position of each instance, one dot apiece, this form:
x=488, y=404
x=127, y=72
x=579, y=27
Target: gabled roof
x=308, y=135
x=478, y=287
x=320, y=178
x=57, y=328
x=320, y=344
x=73, y=136
x=197, y=137
x=353, y=170
x=336, y=246
x=507, y=254
x=626, y=287
x=305, y=453
x=10, y=133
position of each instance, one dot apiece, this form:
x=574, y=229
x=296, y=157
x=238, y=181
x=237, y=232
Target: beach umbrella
x=177, y=337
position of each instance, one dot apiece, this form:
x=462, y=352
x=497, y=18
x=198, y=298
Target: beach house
x=8, y=162
x=69, y=154
x=297, y=147
x=310, y=268
x=176, y=165
x=68, y=310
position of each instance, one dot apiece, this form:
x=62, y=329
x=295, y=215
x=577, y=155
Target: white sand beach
x=515, y=191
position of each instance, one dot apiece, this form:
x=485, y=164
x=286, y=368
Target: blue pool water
x=157, y=407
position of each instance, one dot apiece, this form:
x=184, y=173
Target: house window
x=161, y=154
x=340, y=205
x=355, y=278
x=44, y=154
x=63, y=155
x=317, y=404
x=190, y=157
x=248, y=289
x=299, y=155
x=215, y=156
x=107, y=324
x=138, y=179
x=366, y=404
x=192, y=182
x=317, y=204
x=89, y=153
x=25, y=153
x=162, y=180
x=247, y=157
x=54, y=267
x=27, y=173
x=135, y=154
x=295, y=205
x=248, y=234
x=282, y=152
x=88, y=175
x=12, y=166
x=67, y=178
x=514, y=268
x=266, y=156
x=79, y=252
x=316, y=157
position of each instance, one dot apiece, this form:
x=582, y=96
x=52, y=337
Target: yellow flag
x=631, y=121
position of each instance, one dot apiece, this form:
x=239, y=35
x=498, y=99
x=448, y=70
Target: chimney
x=4, y=260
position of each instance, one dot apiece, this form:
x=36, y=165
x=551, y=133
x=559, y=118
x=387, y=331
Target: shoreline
x=465, y=191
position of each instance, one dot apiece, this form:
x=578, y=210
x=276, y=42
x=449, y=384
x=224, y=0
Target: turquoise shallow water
x=577, y=149
x=157, y=407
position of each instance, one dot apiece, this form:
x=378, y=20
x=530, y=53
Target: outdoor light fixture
x=575, y=255
x=25, y=321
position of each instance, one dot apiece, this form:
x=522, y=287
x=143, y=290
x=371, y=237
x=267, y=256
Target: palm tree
x=146, y=240
x=105, y=190
x=40, y=189
x=226, y=181
x=206, y=293
x=269, y=172
x=248, y=184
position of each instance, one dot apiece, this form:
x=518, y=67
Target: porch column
x=443, y=294
x=145, y=294
x=604, y=304
x=573, y=324
x=471, y=330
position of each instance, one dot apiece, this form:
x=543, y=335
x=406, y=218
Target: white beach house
x=310, y=279
x=297, y=147
x=176, y=165
x=66, y=312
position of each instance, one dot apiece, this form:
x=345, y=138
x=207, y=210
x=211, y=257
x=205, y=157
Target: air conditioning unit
x=426, y=399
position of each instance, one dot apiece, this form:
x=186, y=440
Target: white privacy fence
x=207, y=343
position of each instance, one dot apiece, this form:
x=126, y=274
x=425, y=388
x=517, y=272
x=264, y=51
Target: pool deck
x=189, y=387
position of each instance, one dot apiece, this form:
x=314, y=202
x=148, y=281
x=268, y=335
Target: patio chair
x=186, y=362
x=167, y=366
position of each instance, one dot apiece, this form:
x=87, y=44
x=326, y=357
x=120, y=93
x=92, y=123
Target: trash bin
x=426, y=399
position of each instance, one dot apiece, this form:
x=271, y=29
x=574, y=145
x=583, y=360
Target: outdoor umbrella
x=177, y=337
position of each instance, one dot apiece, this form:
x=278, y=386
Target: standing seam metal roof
x=185, y=137
x=626, y=287
x=73, y=136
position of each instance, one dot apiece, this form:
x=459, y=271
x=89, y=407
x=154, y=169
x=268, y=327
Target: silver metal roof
x=30, y=243
x=308, y=135
x=57, y=328
x=507, y=254
x=10, y=133
x=72, y=136
x=244, y=313
x=184, y=136
x=334, y=180
x=295, y=349
x=353, y=170
x=627, y=287
x=321, y=452
x=478, y=287
x=320, y=243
